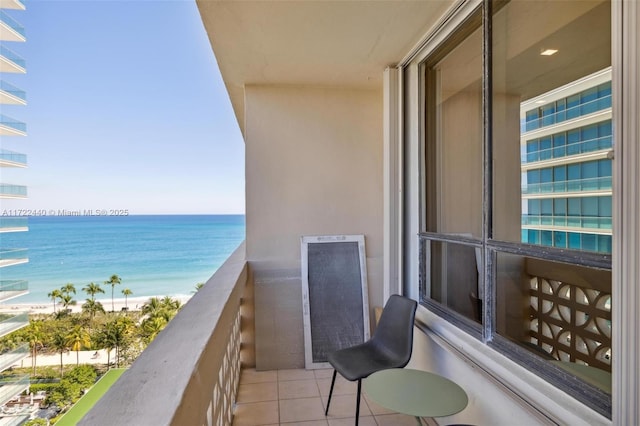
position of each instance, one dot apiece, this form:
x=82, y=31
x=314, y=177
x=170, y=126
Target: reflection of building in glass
x=566, y=169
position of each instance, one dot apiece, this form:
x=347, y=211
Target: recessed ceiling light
x=548, y=52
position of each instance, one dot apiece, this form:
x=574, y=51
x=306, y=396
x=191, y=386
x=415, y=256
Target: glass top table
x=592, y=375
x=416, y=393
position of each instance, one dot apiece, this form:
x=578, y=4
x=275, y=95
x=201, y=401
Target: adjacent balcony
x=12, y=4
x=563, y=222
x=16, y=416
x=11, y=95
x=12, y=159
x=12, y=191
x=570, y=149
x=598, y=184
x=570, y=113
x=10, y=29
x=12, y=386
x=12, y=127
x=10, y=257
x=12, y=321
x=14, y=224
x=11, y=61
x=12, y=357
x=10, y=289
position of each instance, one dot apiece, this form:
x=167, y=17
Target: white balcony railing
x=189, y=374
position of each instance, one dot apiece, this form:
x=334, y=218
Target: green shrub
x=37, y=422
x=84, y=375
x=47, y=387
x=71, y=386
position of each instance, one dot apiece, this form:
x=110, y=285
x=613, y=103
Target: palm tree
x=113, y=281
x=92, y=289
x=152, y=307
x=92, y=307
x=67, y=300
x=68, y=288
x=166, y=308
x=117, y=334
x=60, y=343
x=126, y=293
x=106, y=342
x=77, y=339
x=54, y=295
x=36, y=336
x=198, y=287
x=171, y=304
x=151, y=327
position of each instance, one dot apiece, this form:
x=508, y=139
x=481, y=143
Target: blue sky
x=126, y=110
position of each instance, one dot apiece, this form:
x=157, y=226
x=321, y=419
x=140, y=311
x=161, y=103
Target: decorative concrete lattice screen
x=571, y=322
x=224, y=392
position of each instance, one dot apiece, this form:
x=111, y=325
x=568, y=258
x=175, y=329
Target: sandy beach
x=132, y=303
x=69, y=358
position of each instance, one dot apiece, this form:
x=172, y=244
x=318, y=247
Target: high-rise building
x=11, y=131
x=566, y=165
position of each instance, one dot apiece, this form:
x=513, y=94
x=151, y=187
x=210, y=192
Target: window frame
x=588, y=394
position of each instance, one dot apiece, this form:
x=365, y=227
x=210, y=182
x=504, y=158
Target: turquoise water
x=154, y=255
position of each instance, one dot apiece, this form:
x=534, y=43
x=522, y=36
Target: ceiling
x=306, y=42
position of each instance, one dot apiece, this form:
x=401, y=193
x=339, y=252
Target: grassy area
x=85, y=403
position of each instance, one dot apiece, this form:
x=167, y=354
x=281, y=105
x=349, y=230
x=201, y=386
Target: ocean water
x=153, y=255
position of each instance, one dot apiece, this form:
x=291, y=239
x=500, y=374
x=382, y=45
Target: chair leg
x=358, y=401
x=333, y=381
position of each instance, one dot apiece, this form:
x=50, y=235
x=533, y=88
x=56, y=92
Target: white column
x=626, y=226
x=392, y=185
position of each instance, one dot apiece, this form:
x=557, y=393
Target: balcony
x=207, y=386
x=12, y=386
x=13, y=288
x=10, y=29
x=10, y=257
x=14, y=224
x=16, y=416
x=598, y=184
x=11, y=95
x=571, y=113
x=12, y=191
x=571, y=149
x=11, y=61
x=12, y=4
x=211, y=381
x=9, y=358
x=12, y=321
x=205, y=371
x=564, y=222
x=12, y=127
x=12, y=159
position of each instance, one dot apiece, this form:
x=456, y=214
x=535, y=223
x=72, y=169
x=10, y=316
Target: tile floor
x=299, y=397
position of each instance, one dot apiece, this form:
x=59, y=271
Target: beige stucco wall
x=313, y=167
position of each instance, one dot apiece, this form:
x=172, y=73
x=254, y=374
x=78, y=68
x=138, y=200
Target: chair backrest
x=395, y=329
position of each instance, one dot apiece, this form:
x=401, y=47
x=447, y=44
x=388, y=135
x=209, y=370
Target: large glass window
x=454, y=88
x=454, y=171
x=546, y=300
x=517, y=238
